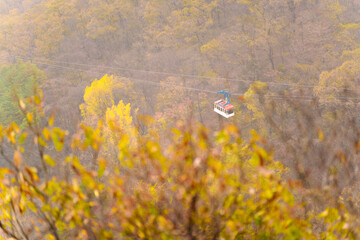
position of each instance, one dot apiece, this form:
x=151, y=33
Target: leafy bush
x=17, y=80
x=199, y=187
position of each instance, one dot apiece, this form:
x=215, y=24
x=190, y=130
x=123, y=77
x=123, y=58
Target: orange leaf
x=241, y=98
x=17, y=159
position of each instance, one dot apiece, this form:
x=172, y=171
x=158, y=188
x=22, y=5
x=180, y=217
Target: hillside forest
x=108, y=129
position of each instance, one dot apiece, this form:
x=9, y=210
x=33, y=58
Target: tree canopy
x=17, y=81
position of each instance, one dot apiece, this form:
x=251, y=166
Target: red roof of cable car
x=221, y=102
x=228, y=107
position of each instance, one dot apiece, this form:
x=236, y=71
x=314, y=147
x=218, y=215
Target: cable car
x=223, y=106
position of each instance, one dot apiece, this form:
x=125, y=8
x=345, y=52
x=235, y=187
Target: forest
x=108, y=129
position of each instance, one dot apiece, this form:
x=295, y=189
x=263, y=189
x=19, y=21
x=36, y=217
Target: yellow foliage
x=252, y=102
x=334, y=9
x=118, y=123
x=212, y=48
x=119, y=117
x=103, y=18
x=332, y=83
x=219, y=182
x=184, y=23
x=98, y=98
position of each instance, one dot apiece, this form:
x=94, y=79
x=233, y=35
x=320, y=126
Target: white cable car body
x=223, y=107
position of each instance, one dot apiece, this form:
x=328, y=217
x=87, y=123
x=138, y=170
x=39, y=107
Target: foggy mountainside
x=110, y=126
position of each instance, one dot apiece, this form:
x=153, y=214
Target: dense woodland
x=107, y=128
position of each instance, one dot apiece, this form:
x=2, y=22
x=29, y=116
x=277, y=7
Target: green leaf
x=57, y=143
x=22, y=138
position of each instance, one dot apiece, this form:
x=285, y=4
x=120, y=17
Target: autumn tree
x=340, y=84
x=98, y=98
x=118, y=123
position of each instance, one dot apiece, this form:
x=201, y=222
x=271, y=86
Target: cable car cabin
x=223, y=108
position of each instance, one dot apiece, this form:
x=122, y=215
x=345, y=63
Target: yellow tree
x=191, y=23
x=98, y=98
x=51, y=24
x=103, y=18
x=15, y=35
x=252, y=103
x=119, y=117
x=254, y=116
x=110, y=22
x=39, y=30
x=339, y=84
x=103, y=93
x=156, y=16
x=119, y=125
